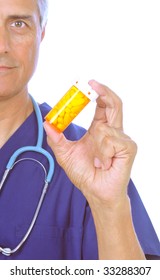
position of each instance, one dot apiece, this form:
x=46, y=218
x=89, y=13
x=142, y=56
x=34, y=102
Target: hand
x=99, y=164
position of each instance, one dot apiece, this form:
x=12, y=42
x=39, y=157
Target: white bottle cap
x=86, y=89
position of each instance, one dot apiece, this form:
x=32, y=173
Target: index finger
x=109, y=105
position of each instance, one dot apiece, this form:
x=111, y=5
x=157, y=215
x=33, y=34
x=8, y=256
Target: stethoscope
x=48, y=176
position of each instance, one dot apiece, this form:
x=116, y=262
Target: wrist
x=116, y=235
x=111, y=214
x=110, y=206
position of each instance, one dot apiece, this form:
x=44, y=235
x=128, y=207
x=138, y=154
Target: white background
x=117, y=43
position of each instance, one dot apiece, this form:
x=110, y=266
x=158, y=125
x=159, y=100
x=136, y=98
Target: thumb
x=58, y=143
x=52, y=134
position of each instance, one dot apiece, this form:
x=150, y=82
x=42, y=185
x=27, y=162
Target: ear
x=43, y=33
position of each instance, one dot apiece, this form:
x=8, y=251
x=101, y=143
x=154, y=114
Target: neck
x=13, y=112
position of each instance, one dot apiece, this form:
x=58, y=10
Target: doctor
x=91, y=209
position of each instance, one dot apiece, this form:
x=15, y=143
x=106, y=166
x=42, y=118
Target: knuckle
x=104, y=130
x=98, y=128
x=118, y=102
x=134, y=147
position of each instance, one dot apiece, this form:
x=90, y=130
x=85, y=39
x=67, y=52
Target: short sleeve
x=143, y=225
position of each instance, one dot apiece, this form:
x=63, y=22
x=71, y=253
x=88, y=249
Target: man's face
x=20, y=38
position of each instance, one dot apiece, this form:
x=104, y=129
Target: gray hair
x=43, y=10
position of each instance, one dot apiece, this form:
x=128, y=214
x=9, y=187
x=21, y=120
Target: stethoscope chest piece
x=6, y=251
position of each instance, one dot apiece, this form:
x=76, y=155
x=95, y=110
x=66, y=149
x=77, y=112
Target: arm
x=102, y=172
x=115, y=232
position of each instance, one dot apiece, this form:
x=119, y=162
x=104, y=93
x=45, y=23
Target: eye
x=18, y=24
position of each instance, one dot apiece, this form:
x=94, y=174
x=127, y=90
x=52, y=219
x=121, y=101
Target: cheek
x=26, y=47
x=27, y=53
x=32, y=54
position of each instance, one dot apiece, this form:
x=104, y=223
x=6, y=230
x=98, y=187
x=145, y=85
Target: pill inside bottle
x=70, y=105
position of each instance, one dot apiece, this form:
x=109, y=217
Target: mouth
x=5, y=68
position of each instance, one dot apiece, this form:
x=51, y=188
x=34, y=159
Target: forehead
x=8, y=7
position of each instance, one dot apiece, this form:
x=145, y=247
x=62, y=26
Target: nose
x=4, y=40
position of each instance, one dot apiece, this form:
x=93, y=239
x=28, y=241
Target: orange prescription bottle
x=70, y=105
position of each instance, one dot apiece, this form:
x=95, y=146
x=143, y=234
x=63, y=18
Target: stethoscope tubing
x=48, y=176
x=36, y=149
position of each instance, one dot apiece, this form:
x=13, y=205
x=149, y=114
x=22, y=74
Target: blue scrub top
x=64, y=228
